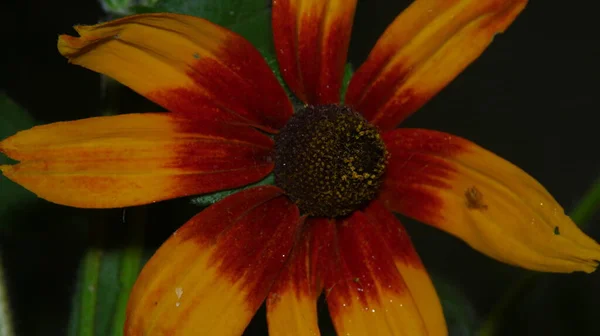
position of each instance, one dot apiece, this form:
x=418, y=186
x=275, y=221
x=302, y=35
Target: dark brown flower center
x=329, y=160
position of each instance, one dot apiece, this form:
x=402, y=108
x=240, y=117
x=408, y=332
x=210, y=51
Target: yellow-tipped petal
x=185, y=64
x=311, y=38
x=498, y=209
x=365, y=292
x=292, y=301
x=411, y=268
x=424, y=49
x=133, y=159
x=213, y=274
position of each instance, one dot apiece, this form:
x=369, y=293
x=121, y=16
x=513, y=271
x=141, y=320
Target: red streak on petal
x=420, y=163
x=300, y=274
x=254, y=231
x=397, y=109
x=217, y=145
x=394, y=234
x=365, y=76
x=359, y=262
x=334, y=59
x=284, y=35
x=218, y=156
x=200, y=105
x=312, y=44
x=371, y=90
x=214, y=220
x=372, y=98
x=324, y=239
x=424, y=141
x=234, y=85
x=227, y=179
x=309, y=54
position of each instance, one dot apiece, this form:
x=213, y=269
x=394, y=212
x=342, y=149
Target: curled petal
x=365, y=292
x=185, y=64
x=213, y=274
x=292, y=301
x=494, y=206
x=427, y=45
x=134, y=159
x=311, y=42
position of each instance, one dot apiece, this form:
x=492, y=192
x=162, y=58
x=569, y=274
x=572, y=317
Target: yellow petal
x=365, y=293
x=133, y=159
x=292, y=301
x=185, y=64
x=213, y=274
x=311, y=39
x=427, y=45
x=459, y=187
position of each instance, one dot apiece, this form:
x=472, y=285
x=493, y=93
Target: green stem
x=6, y=328
x=89, y=294
x=129, y=269
x=588, y=206
x=582, y=214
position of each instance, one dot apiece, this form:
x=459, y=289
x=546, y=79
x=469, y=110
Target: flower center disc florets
x=329, y=160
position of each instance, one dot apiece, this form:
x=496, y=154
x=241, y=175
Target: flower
x=278, y=243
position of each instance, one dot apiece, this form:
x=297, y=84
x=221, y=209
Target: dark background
x=531, y=98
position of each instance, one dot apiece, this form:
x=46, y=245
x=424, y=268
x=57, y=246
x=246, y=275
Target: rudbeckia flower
x=341, y=168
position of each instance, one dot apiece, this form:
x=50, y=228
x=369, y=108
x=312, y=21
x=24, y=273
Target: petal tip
x=68, y=45
x=591, y=268
x=594, y=261
x=588, y=264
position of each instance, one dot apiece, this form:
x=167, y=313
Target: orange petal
x=311, y=39
x=427, y=45
x=186, y=64
x=410, y=267
x=213, y=274
x=292, y=301
x=459, y=187
x=133, y=159
x=365, y=292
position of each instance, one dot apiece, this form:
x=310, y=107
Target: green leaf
x=257, y=30
x=588, y=206
x=348, y=73
x=14, y=119
x=124, y=7
x=461, y=317
x=6, y=328
x=106, y=276
x=223, y=12
x=208, y=199
x=252, y=15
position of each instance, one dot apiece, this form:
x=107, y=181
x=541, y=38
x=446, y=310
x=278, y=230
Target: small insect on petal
x=459, y=187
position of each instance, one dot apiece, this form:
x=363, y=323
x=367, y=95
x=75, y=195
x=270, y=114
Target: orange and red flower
x=213, y=274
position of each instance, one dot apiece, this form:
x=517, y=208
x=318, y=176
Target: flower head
x=341, y=167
